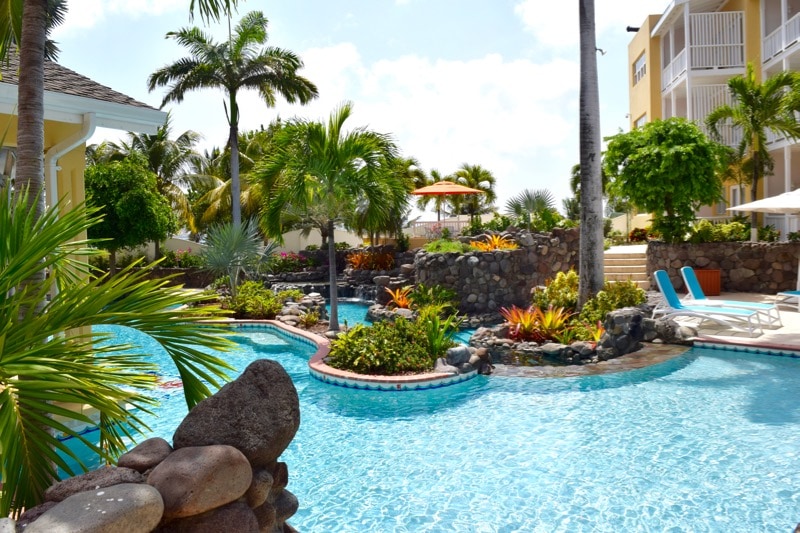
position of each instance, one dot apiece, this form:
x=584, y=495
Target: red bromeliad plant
x=534, y=324
x=400, y=297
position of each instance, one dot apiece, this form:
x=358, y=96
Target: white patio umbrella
x=787, y=203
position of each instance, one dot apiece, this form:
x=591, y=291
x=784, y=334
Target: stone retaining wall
x=487, y=281
x=744, y=266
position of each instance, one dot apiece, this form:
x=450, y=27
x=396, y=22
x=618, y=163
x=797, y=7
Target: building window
x=640, y=122
x=639, y=69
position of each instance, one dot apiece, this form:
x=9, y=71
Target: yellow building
x=74, y=106
x=681, y=60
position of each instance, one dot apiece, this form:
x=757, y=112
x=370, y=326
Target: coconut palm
x=439, y=200
x=590, y=262
x=337, y=171
x=759, y=107
x=476, y=177
x=169, y=160
x=41, y=369
x=233, y=65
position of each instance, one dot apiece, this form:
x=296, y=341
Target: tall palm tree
x=759, y=107
x=335, y=170
x=590, y=262
x=439, y=201
x=476, y=177
x=242, y=62
x=169, y=160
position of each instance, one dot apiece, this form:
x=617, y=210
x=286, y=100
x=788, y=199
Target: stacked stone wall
x=744, y=266
x=487, y=281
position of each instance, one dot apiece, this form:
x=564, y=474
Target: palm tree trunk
x=156, y=250
x=236, y=205
x=754, y=197
x=590, y=262
x=30, y=133
x=112, y=262
x=334, y=290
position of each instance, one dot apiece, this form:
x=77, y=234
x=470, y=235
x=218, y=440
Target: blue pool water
x=709, y=441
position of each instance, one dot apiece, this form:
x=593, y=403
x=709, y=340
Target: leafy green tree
x=668, y=168
x=126, y=194
x=41, y=368
x=169, y=159
x=476, y=177
x=324, y=166
x=590, y=261
x=242, y=62
x=759, y=107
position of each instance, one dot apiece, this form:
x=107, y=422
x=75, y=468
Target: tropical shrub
x=403, y=242
x=494, y=242
x=561, y=291
x=615, y=295
x=181, y=259
x=384, y=348
x=423, y=296
x=235, y=251
x=309, y=319
x=793, y=236
x=768, y=233
x=706, y=231
x=439, y=331
x=638, y=235
x=399, y=296
x=370, y=260
x=312, y=247
x=289, y=262
x=254, y=300
x=444, y=246
x=290, y=295
x=342, y=246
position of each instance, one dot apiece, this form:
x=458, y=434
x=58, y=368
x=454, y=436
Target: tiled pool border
x=781, y=351
x=341, y=378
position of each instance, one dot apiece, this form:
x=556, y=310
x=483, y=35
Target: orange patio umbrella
x=444, y=188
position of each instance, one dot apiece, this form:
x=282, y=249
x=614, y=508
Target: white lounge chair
x=770, y=315
x=727, y=316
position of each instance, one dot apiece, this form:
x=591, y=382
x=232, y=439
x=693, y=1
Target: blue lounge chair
x=672, y=306
x=770, y=316
x=790, y=298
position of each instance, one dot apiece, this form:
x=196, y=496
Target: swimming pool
x=709, y=441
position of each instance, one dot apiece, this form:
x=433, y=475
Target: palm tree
x=169, y=160
x=590, y=262
x=439, y=201
x=239, y=63
x=476, y=177
x=41, y=369
x=334, y=170
x=530, y=202
x=759, y=107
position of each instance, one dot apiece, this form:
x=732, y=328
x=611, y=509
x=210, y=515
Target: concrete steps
x=623, y=266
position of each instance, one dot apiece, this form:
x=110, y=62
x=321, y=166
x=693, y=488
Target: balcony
x=781, y=38
x=716, y=41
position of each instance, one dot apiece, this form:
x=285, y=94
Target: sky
x=493, y=83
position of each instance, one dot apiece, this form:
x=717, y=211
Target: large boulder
x=96, y=479
x=197, y=479
x=235, y=516
x=258, y=414
x=128, y=507
x=145, y=455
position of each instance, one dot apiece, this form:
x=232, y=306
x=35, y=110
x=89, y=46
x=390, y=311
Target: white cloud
x=86, y=14
x=555, y=24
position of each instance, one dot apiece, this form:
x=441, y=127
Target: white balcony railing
x=673, y=70
x=433, y=230
x=717, y=40
x=781, y=38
